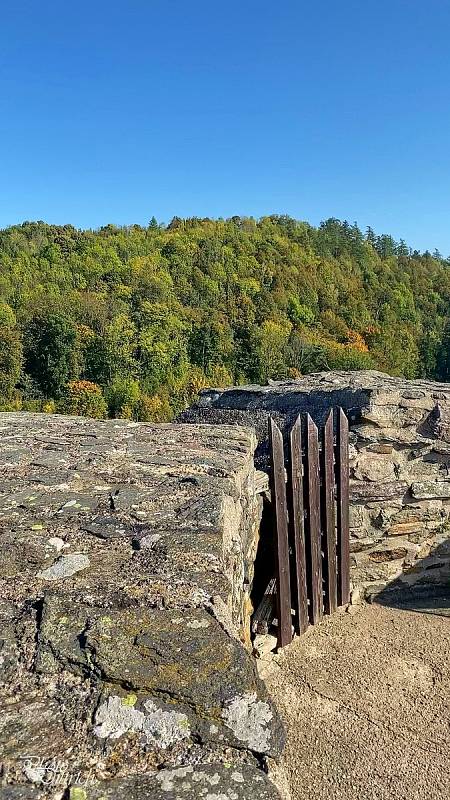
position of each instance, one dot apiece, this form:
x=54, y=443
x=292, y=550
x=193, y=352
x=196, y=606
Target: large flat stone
x=208, y=781
x=431, y=489
x=369, y=492
x=185, y=656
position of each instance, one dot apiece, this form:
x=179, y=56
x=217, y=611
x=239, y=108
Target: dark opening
x=264, y=571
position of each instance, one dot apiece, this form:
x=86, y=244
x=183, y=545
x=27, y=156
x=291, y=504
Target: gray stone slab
x=209, y=781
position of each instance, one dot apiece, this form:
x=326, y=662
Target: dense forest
x=133, y=321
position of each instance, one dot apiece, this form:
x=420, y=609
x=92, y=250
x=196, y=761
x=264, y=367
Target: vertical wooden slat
x=297, y=524
x=278, y=486
x=342, y=509
x=328, y=517
x=312, y=496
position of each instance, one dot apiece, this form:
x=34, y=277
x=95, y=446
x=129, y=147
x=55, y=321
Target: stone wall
x=126, y=565
x=126, y=559
x=399, y=462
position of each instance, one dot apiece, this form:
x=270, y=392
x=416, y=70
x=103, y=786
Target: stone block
x=431, y=489
x=388, y=554
x=369, y=492
x=404, y=528
x=375, y=468
x=357, y=516
x=185, y=656
x=384, y=449
x=215, y=781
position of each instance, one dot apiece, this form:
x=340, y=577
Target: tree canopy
x=133, y=321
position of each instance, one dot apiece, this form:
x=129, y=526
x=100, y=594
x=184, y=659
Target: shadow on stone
x=284, y=401
x=424, y=596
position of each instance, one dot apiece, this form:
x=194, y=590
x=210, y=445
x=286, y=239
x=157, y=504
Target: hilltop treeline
x=133, y=321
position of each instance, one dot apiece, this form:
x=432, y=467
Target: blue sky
x=115, y=111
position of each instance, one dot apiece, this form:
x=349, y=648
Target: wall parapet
x=399, y=463
x=126, y=564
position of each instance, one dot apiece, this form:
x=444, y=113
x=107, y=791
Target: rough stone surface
x=399, y=462
x=64, y=567
x=126, y=555
x=202, y=781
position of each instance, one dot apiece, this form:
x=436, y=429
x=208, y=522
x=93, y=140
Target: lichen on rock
x=115, y=717
x=249, y=720
x=202, y=781
x=125, y=619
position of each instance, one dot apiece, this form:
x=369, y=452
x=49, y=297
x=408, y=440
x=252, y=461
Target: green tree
x=162, y=346
x=272, y=340
x=159, y=312
x=123, y=396
x=11, y=357
x=443, y=356
x=49, y=352
x=120, y=343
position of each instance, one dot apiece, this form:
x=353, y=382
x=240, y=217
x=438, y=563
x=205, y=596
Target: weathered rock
x=403, y=528
x=185, y=656
x=31, y=725
x=264, y=644
x=24, y=792
x=127, y=556
x=209, y=781
x=375, y=468
x=431, y=490
x=357, y=516
x=108, y=528
x=369, y=492
x=384, y=449
x=394, y=554
x=65, y=567
x=364, y=395
x=9, y=657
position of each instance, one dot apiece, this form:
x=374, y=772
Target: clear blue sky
x=115, y=111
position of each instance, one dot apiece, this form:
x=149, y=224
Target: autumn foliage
x=85, y=399
x=134, y=321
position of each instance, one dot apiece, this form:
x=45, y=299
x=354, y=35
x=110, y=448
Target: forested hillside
x=133, y=321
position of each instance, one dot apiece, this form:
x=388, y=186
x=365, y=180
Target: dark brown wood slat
x=297, y=525
x=278, y=488
x=328, y=517
x=313, y=538
x=343, y=555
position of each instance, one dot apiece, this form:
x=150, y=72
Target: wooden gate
x=309, y=501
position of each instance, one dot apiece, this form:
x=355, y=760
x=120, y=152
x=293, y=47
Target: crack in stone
x=377, y=724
